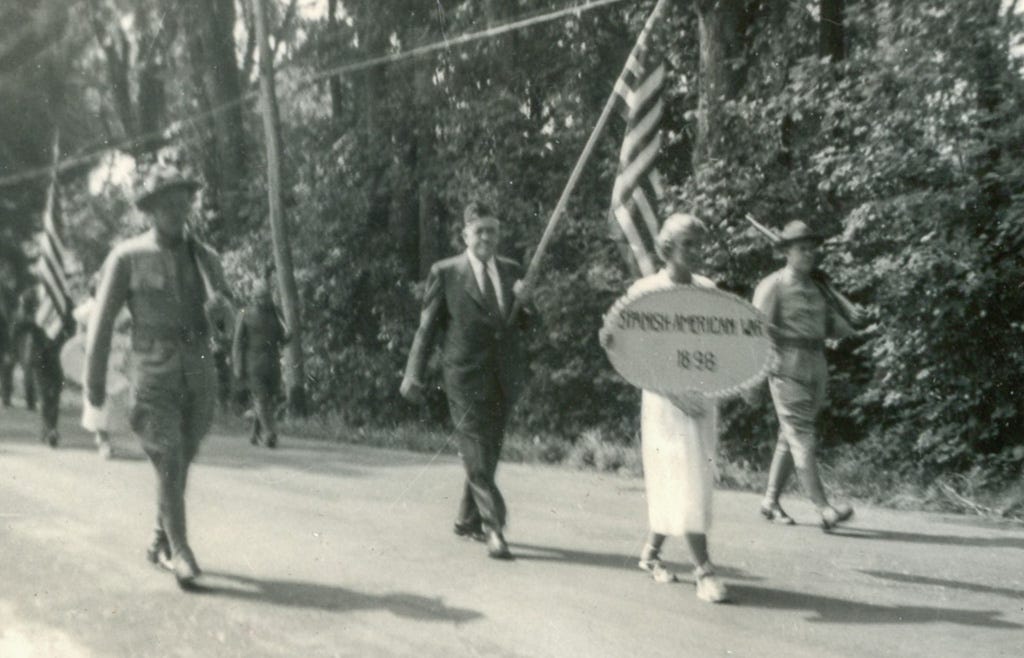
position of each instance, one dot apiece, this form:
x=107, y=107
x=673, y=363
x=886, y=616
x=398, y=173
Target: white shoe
x=652, y=564
x=103, y=447
x=658, y=571
x=709, y=587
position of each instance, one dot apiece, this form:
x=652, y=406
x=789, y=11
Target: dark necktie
x=490, y=296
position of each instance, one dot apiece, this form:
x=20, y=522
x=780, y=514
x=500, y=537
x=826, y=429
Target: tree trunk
x=428, y=227
x=334, y=82
x=142, y=115
x=211, y=45
x=502, y=51
x=831, y=34
x=721, y=25
x=373, y=90
x=294, y=370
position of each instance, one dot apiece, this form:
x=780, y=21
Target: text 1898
x=696, y=360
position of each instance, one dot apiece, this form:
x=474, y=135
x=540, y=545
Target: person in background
x=40, y=363
x=174, y=288
x=96, y=419
x=256, y=359
x=679, y=433
x=470, y=298
x=8, y=308
x=799, y=319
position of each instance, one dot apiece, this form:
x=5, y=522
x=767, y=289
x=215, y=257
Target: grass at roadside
x=846, y=477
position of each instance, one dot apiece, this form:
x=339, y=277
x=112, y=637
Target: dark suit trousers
x=44, y=376
x=480, y=426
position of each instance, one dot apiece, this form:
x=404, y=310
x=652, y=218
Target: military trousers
x=174, y=395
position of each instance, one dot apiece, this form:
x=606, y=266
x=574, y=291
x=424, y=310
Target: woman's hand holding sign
x=690, y=403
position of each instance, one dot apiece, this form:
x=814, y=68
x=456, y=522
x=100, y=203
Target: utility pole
x=294, y=370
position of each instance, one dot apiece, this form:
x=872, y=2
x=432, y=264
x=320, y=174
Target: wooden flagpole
x=581, y=162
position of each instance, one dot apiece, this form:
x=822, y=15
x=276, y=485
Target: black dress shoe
x=474, y=532
x=833, y=516
x=185, y=569
x=496, y=546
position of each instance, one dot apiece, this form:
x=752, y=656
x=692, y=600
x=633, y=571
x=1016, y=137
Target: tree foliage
x=894, y=126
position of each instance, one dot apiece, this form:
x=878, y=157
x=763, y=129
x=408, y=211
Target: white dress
x=96, y=419
x=678, y=451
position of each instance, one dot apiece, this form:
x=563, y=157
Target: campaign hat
x=159, y=179
x=798, y=231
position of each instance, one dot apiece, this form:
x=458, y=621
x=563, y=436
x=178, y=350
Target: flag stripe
x=630, y=176
x=647, y=212
x=54, y=312
x=636, y=243
x=638, y=187
x=646, y=129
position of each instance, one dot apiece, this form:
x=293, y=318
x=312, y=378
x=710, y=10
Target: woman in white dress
x=96, y=419
x=679, y=433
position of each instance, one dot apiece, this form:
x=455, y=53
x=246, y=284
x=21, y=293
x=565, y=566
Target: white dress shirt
x=492, y=271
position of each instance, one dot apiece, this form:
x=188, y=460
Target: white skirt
x=679, y=465
x=112, y=415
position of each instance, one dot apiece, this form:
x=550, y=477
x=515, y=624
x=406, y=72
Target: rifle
x=852, y=313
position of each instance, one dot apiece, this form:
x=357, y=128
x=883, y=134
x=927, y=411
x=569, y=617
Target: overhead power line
x=419, y=51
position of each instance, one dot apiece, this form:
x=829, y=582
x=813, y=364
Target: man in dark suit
x=469, y=298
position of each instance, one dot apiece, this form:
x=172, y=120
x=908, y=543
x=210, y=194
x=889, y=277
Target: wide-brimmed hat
x=796, y=231
x=159, y=179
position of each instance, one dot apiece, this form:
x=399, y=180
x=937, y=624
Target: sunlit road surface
x=333, y=550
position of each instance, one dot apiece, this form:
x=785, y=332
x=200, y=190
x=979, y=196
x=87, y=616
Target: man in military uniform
x=175, y=291
x=256, y=359
x=800, y=318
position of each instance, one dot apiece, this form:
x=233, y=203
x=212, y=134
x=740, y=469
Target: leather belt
x=168, y=332
x=800, y=343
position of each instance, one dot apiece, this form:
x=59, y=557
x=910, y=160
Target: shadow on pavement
x=72, y=439
x=942, y=582
x=1015, y=541
x=329, y=598
x=840, y=611
x=251, y=458
x=609, y=560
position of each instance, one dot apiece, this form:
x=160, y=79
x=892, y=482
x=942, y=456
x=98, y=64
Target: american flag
x=638, y=186
x=54, y=313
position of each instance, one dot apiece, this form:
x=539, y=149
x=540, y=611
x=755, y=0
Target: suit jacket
x=477, y=348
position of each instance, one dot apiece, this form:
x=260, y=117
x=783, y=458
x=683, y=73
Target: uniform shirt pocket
x=147, y=274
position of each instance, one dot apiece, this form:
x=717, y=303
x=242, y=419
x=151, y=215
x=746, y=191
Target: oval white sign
x=688, y=338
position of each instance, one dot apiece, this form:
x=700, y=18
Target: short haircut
x=676, y=225
x=475, y=211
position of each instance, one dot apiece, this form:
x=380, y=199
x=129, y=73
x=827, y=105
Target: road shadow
x=73, y=439
x=607, y=560
x=328, y=598
x=942, y=582
x=827, y=609
x=252, y=458
x=1014, y=541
